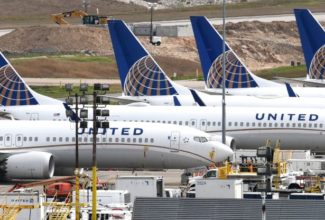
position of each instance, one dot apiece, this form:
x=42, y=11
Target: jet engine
x=230, y=141
x=29, y=165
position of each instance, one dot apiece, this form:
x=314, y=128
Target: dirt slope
x=259, y=44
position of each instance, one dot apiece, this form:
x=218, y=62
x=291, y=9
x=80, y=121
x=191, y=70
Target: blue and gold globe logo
x=12, y=89
x=317, y=65
x=236, y=74
x=145, y=78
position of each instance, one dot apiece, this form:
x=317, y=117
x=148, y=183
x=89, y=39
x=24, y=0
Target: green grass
x=70, y=57
x=59, y=91
x=284, y=71
x=83, y=58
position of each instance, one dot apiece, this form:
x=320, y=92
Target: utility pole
x=94, y=167
x=77, y=172
x=224, y=75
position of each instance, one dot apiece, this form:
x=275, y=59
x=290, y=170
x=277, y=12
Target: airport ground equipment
x=86, y=18
x=143, y=186
x=11, y=204
x=219, y=188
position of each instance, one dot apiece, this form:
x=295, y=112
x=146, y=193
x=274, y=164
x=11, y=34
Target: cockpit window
x=200, y=139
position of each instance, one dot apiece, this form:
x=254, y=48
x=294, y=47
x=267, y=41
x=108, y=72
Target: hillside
x=260, y=45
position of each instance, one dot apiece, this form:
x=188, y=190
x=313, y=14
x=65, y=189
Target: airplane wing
x=305, y=82
x=124, y=100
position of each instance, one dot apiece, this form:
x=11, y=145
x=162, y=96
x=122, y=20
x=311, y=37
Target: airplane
x=240, y=80
x=312, y=37
x=35, y=149
x=245, y=128
x=143, y=80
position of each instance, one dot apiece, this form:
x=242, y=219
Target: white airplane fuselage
x=279, y=91
x=296, y=128
x=123, y=145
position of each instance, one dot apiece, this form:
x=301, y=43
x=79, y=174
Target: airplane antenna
x=224, y=74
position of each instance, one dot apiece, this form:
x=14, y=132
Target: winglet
x=139, y=73
x=312, y=37
x=176, y=101
x=197, y=98
x=73, y=116
x=291, y=93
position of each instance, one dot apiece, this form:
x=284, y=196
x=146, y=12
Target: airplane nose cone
x=222, y=152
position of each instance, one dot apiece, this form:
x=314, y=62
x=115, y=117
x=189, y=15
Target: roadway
x=76, y=81
x=261, y=18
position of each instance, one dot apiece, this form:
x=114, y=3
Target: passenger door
x=8, y=140
x=174, y=141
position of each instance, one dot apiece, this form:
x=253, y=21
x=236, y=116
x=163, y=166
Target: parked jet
x=239, y=79
x=32, y=150
x=248, y=127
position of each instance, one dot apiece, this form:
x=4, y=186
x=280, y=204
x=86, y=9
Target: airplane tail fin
x=139, y=73
x=13, y=89
x=209, y=44
x=312, y=37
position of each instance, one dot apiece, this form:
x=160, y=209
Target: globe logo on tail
x=145, y=78
x=317, y=65
x=237, y=75
x=13, y=91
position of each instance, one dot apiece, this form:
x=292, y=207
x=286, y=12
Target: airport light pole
x=97, y=99
x=224, y=74
x=75, y=116
x=152, y=6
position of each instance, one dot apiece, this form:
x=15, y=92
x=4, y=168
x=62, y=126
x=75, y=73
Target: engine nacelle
x=29, y=165
x=230, y=141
